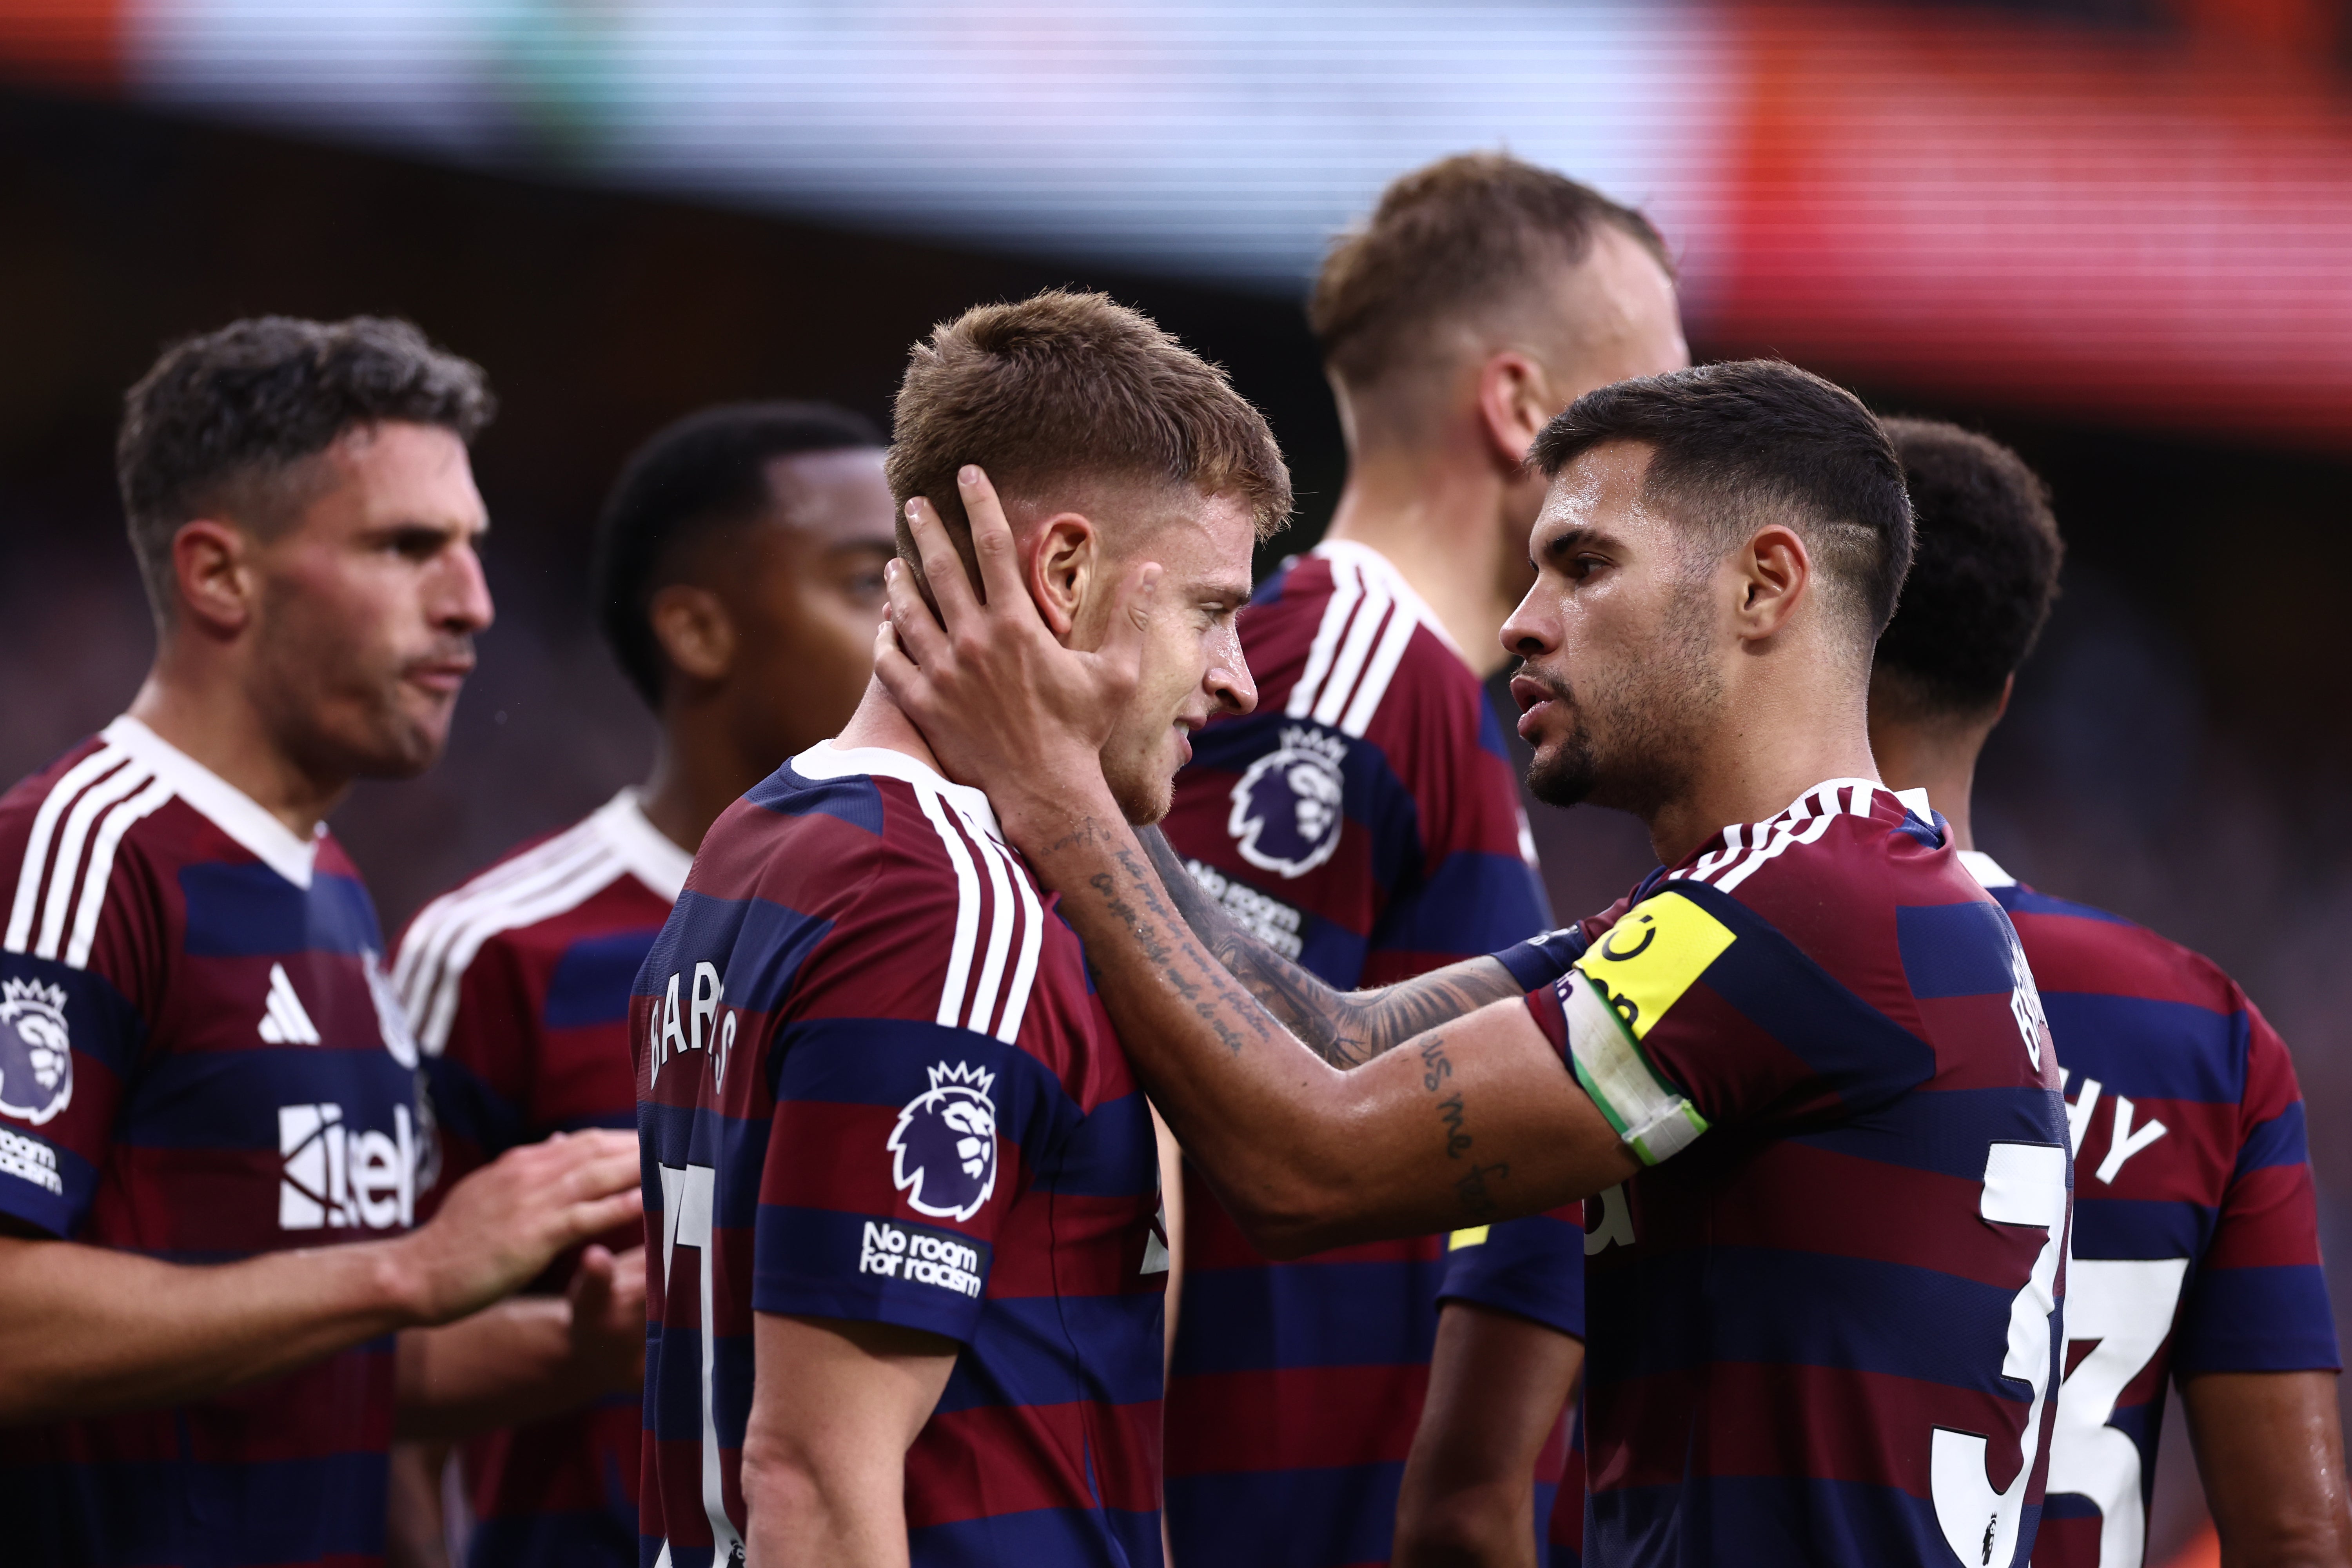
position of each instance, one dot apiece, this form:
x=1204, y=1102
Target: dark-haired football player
x=2196, y=1252
x=1800, y=1073
x=737, y=579
x=1365, y=820
x=212, y=1287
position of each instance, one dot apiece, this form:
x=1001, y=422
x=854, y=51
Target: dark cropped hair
x=706, y=472
x=1448, y=239
x=1985, y=573
x=225, y=423
x=1735, y=445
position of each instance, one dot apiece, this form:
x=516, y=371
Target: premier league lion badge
x=1288, y=808
x=944, y=1146
x=35, y=1052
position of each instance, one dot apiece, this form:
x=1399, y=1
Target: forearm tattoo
x=1346, y=1028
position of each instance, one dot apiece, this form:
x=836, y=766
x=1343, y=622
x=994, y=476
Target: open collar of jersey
x=644, y=851
x=227, y=807
x=1385, y=577
x=826, y=760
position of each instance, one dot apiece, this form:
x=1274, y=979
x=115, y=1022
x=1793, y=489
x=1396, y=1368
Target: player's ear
x=1773, y=568
x=213, y=570
x=1066, y=562
x=1515, y=403
x=697, y=634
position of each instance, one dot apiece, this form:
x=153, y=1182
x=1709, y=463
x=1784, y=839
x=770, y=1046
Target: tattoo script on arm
x=1346, y=1028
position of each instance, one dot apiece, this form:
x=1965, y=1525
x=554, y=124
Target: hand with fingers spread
x=505, y=1222
x=1003, y=704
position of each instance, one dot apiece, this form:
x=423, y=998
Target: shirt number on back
x=2125, y=1308
x=2024, y=1184
x=689, y=1195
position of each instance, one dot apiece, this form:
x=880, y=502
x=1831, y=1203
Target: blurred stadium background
x=2117, y=234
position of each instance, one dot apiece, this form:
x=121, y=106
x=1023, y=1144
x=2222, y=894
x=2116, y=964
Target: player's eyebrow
x=1568, y=539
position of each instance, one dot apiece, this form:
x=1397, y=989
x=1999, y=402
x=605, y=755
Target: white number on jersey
x=2125, y=1308
x=689, y=1196
x=2024, y=1184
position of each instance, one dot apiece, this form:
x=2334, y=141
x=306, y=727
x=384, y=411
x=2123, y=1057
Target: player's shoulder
x=611, y=868
x=1848, y=838
x=2078, y=947
x=1340, y=637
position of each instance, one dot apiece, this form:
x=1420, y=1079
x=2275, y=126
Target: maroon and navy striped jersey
x=200, y=1061
x=2196, y=1235
x=518, y=983
x=1365, y=822
x=1825, y=1323
x=876, y=1085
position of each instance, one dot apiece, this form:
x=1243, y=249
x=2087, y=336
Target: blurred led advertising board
x=2123, y=225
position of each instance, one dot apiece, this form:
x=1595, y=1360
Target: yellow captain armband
x=1615, y=996
x=1473, y=1236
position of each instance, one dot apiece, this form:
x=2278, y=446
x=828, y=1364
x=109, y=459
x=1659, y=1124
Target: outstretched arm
x=1346, y=1028
x=1476, y=1122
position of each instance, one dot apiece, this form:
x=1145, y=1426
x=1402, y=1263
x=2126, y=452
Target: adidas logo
x=283, y=1021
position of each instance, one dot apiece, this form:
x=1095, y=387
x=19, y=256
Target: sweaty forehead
x=1597, y=490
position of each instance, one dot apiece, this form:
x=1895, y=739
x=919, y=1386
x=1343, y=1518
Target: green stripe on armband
x=1649, y=1114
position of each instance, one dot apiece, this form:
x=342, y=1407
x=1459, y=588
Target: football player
x=1365, y=820
x=2196, y=1252
x=214, y=1298
x=1800, y=1072
x=737, y=579
x=904, y=1187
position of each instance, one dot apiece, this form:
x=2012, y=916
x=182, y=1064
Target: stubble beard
x=1653, y=717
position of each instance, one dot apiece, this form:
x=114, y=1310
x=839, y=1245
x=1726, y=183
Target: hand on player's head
x=1003, y=705
x=503, y=1225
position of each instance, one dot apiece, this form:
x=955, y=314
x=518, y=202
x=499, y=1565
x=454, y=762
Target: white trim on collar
x=227, y=807
x=1985, y=870
x=826, y=760
x=645, y=852
x=1393, y=583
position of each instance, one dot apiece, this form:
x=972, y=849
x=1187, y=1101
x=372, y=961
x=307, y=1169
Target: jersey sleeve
x=2259, y=1302
x=1693, y=1010
x=1533, y=1268
x=71, y=1036
x=898, y=1146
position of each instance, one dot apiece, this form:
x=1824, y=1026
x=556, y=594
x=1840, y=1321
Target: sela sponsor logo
x=944, y=1149
x=1270, y=921
x=337, y=1176
x=700, y=1025
x=1287, y=808
x=30, y=1160
x=36, y=1051
x=923, y=1257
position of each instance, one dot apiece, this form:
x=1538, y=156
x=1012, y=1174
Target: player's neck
x=880, y=722
x=214, y=722
x=1786, y=737
x=685, y=793
x=1939, y=759
x=1440, y=523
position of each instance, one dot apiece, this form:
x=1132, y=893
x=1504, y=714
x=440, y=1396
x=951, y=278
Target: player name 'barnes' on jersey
x=874, y=1085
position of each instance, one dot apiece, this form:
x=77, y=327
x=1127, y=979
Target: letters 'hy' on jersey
x=1365, y=822
x=200, y=1060
x=518, y=983
x=2196, y=1235
x=876, y=1086
x=1825, y=1315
